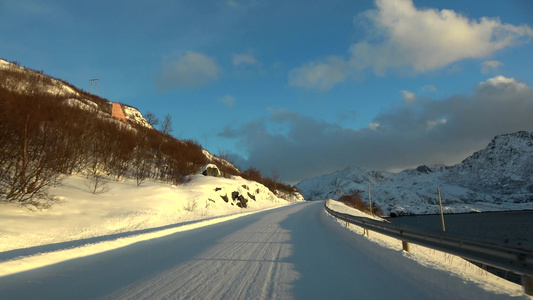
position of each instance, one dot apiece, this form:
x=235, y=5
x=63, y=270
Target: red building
x=118, y=114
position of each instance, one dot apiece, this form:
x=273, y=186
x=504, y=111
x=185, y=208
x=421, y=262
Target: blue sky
x=299, y=88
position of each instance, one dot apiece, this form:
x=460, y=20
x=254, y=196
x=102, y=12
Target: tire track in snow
x=245, y=264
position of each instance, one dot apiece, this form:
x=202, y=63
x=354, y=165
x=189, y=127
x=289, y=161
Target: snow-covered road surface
x=293, y=252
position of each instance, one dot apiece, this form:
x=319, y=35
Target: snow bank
x=454, y=265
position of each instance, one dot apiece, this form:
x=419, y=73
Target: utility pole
x=441, y=213
x=95, y=80
x=370, y=200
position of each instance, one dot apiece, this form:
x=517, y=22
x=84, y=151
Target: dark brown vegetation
x=356, y=201
x=271, y=183
x=43, y=138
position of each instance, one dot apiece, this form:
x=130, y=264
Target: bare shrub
x=377, y=210
x=273, y=184
x=141, y=165
x=191, y=205
x=356, y=201
x=33, y=151
x=182, y=159
x=252, y=174
x=97, y=184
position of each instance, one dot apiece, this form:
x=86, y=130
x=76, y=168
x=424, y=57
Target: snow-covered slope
x=23, y=80
x=135, y=116
x=504, y=167
x=125, y=210
x=27, y=80
x=499, y=177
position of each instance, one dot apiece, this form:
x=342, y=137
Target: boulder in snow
x=211, y=170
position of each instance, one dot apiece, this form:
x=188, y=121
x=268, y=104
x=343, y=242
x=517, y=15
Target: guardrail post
x=527, y=283
x=406, y=247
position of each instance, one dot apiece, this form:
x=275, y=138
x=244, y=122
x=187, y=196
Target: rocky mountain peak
x=498, y=177
x=505, y=166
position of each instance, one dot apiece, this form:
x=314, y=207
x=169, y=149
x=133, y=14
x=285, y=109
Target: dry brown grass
x=356, y=201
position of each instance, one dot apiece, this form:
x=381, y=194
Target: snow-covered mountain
x=499, y=177
x=504, y=167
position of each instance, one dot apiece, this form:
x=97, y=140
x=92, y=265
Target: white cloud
x=504, y=82
x=373, y=126
x=408, y=96
x=227, y=100
x=34, y=9
x=405, y=38
x=233, y=3
x=431, y=124
x=429, y=39
x=429, y=88
x=190, y=70
x=490, y=66
x=244, y=59
x=319, y=75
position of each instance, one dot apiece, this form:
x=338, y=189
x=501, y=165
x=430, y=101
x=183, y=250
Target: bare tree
x=166, y=125
x=141, y=161
x=33, y=150
x=275, y=178
x=151, y=119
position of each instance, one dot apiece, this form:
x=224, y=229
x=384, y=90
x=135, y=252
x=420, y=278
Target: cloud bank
x=190, y=70
x=407, y=39
x=422, y=131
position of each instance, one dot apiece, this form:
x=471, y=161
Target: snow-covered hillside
x=125, y=209
x=499, y=177
x=23, y=80
x=32, y=80
x=135, y=116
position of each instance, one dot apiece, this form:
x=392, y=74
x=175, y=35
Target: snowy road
x=293, y=252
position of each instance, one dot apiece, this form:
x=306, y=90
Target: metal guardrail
x=511, y=259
